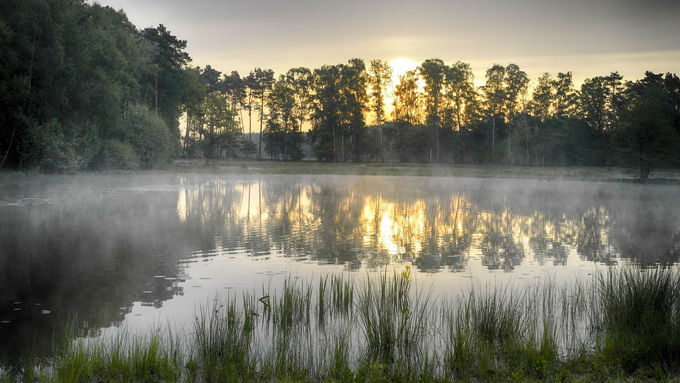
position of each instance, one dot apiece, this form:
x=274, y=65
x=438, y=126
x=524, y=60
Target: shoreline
x=598, y=174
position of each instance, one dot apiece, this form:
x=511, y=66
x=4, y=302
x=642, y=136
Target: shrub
x=149, y=136
x=115, y=154
x=58, y=147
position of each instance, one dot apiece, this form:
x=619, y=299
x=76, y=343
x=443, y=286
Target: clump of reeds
x=637, y=318
x=222, y=342
x=383, y=329
x=500, y=330
x=125, y=358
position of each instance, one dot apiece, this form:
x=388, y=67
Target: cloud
x=579, y=35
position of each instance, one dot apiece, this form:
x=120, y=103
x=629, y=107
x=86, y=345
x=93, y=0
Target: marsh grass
x=125, y=358
x=638, y=318
x=622, y=324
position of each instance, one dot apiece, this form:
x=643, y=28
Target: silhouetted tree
x=433, y=72
x=646, y=137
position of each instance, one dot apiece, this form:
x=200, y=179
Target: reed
x=622, y=324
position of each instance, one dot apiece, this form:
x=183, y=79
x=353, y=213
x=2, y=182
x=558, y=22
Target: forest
x=82, y=88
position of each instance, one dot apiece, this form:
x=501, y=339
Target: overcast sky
x=587, y=37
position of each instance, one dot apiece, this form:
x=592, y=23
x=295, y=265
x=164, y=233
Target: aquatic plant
x=384, y=328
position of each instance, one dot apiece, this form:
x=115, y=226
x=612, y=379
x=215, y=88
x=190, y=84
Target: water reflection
x=86, y=249
x=81, y=257
x=373, y=221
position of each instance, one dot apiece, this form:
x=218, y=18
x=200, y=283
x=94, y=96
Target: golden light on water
x=445, y=230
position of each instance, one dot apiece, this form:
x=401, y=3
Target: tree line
x=440, y=116
x=83, y=88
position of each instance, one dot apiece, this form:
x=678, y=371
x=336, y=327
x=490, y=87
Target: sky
x=587, y=37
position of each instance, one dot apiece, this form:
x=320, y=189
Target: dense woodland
x=83, y=88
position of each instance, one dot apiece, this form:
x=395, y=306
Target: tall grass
x=125, y=358
x=621, y=323
x=638, y=317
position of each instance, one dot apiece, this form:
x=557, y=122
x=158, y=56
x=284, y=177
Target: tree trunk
x=437, y=130
x=250, y=128
x=334, y=154
x=259, y=139
x=186, y=136
x=493, y=138
x=509, y=152
x=156, y=92
x=644, y=173
x=342, y=147
x=9, y=147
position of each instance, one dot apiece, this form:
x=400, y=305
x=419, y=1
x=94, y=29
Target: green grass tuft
x=622, y=325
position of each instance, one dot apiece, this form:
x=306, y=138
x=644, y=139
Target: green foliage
x=121, y=360
x=638, y=320
x=149, y=136
x=338, y=111
x=218, y=126
x=163, y=80
x=287, y=112
x=70, y=71
x=115, y=154
x=58, y=148
x=72, y=74
x=623, y=325
x=646, y=137
x=380, y=77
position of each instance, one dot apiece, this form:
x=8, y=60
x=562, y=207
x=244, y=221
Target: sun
x=400, y=66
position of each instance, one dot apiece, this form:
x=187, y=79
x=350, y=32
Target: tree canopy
x=81, y=87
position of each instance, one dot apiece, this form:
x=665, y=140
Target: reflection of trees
x=93, y=254
x=84, y=257
x=500, y=245
x=449, y=226
x=373, y=222
x=592, y=240
x=328, y=223
x=549, y=237
x=649, y=234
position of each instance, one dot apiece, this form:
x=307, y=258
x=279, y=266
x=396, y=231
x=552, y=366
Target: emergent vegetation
x=619, y=325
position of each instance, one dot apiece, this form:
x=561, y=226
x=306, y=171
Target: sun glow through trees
x=399, y=66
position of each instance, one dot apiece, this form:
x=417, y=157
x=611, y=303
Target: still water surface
x=105, y=252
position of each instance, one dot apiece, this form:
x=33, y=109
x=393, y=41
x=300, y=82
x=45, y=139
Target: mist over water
x=102, y=251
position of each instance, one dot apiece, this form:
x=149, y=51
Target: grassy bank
x=605, y=174
x=483, y=171
x=620, y=326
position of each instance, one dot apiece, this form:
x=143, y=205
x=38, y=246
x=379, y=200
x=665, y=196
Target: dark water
x=100, y=252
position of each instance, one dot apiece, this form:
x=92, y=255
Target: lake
x=104, y=252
